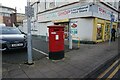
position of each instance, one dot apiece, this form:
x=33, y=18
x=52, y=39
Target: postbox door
x=56, y=42
x=59, y=41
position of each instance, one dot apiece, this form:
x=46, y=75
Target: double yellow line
x=113, y=73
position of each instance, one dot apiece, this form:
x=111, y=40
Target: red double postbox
x=56, y=42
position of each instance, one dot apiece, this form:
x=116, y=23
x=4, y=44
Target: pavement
x=77, y=63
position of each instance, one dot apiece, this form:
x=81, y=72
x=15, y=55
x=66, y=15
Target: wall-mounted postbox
x=56, y=42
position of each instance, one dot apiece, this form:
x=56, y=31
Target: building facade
x=119, y=15
x=87, y=20
x=7, y=16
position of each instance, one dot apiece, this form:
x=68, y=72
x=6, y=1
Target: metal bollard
x=78, y=42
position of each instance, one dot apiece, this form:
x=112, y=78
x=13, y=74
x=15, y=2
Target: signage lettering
x=62, y=13
x=103, y=11
x=75, y=10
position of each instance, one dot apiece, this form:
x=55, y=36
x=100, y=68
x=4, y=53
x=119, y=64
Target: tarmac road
x=20, y=56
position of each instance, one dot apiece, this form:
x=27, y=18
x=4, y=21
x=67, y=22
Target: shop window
x=107, y=31
x=99, y=31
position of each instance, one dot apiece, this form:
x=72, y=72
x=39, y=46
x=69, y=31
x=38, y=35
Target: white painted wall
x=42, y=29
x=34, y=27
x=24, y=26
x=85, y=29
x=49, y=24
x=41, y=6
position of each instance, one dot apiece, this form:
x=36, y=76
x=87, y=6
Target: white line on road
x=40, y=51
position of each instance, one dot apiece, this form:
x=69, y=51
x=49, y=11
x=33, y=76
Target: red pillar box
x=56, y=42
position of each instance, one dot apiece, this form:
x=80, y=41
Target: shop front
x=102, y=28
x=98, y=30
x=85, y=23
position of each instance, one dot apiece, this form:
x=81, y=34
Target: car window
x=10, y=31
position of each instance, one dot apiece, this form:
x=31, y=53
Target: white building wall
x=24, y=26
x=85, y=25
x=63, y=2
x=42, y=29
x=35, y=11
x=85, y=29
x=41, y=7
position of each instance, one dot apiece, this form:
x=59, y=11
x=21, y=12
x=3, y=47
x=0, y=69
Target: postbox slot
x=56, y=29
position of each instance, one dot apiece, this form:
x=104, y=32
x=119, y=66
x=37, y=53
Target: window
x=99, y=31
x=51, y=4
x=115, y=4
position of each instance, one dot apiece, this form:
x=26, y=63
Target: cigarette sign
x=74, y=28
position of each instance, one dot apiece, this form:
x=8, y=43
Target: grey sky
x=19, y=4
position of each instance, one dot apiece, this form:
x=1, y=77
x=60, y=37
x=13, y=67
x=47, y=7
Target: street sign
x=112, y=17
x=29, y=11
x=112, y=20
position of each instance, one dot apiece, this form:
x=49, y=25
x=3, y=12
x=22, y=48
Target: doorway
x=107, y=32
x=100, y=31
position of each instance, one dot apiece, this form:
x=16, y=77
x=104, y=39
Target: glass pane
x=99, y=31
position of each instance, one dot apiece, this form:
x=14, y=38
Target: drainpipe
x=119, y=18
x=37, y=15
x=45, y=4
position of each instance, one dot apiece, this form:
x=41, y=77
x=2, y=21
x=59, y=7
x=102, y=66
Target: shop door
x=107, y=31
x=99, y=32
